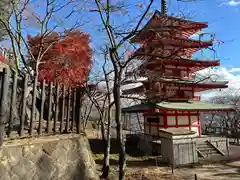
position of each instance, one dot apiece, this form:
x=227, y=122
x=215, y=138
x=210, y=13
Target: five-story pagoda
x=168, y=79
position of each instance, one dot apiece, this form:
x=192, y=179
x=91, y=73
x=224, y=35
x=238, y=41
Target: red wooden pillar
x=189, y=121
x=176, y=117
x=199, y=124
x=192, y=93
x=165, y=119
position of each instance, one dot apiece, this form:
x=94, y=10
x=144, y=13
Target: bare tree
x=230, y=121
x=42, y=18
x=23, y=18
x=101, y=97
x=118, y=63
x=4, y=9
x=117, y=49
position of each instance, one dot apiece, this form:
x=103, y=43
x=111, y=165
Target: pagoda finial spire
x=163, y=6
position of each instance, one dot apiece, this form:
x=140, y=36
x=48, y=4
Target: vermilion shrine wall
x=172, y=119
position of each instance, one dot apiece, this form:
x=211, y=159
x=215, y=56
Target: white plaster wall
x=171, y=120
x=146, y=129
x=188, y=94
x=194, y=120
x=183, y=120
x=161, y=122
x=154, y=130
x=195, y=129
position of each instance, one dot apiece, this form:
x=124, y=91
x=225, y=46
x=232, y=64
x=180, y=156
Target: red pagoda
x=168, y=75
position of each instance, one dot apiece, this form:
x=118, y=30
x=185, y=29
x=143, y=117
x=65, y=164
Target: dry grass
x=144, y=168
x=150, y=174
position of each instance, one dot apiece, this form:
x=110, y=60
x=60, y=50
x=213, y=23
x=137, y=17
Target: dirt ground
x=140, y=167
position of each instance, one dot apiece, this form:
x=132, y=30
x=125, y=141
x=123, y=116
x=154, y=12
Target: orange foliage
x=139, y=5
x=67, y=59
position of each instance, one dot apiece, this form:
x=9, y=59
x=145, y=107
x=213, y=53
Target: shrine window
x=153, y=120
x=176, y=73
x=181, y=94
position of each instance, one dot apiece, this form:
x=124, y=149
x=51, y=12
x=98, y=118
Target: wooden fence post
x=42, y=108
x=13, y=103
x=50, y=98
x=73, y=109
x=33, y=117
x=56, y=109
x=68, y=110
x=4, y=103
x=24, y=101
x=63, y=109
x=78, y=109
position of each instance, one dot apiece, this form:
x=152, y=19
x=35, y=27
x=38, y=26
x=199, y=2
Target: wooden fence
x=30, y=108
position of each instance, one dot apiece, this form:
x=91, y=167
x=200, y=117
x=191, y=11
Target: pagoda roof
x=191, y=65
x=182, y=106
x=147, y=53
x=178, y=81
x=196, y=84
x=161, y=41
x=159, y=21
x=180, y=62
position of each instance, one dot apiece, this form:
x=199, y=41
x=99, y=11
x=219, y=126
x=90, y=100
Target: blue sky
x=223, y=19
x=222, y=16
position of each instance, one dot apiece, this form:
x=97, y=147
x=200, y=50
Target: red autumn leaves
x=65, y=59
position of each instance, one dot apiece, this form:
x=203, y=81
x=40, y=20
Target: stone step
x=203, y=145
x=206, y=152
x=158, y=160
x=207, y=149
x=209, y=152
x=212, y=154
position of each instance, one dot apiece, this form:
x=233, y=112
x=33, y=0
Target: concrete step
x=212, y=155
x=203, y=145
x=158, y=160
x=207, y=150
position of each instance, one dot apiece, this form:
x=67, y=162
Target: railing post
x=227, y=146
x=78, y=109
x=73, y=109
x=50, y=97
x=33, y=116
x=4, y=103
x=13, y=103
x=24, y=101
x=63, y=109
x=43, y=96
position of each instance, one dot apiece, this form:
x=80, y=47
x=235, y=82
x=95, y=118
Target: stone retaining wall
x=65, y=157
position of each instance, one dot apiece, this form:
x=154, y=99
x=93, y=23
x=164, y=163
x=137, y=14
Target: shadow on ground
x=233, y=174
x=97, y=147
x=134, y=155
x=131, y=163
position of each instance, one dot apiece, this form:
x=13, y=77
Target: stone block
x=61, y=158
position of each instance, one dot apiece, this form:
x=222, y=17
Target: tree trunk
x=108, y=141
x=105, y=167
x=116, y=94
x=4, y=103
